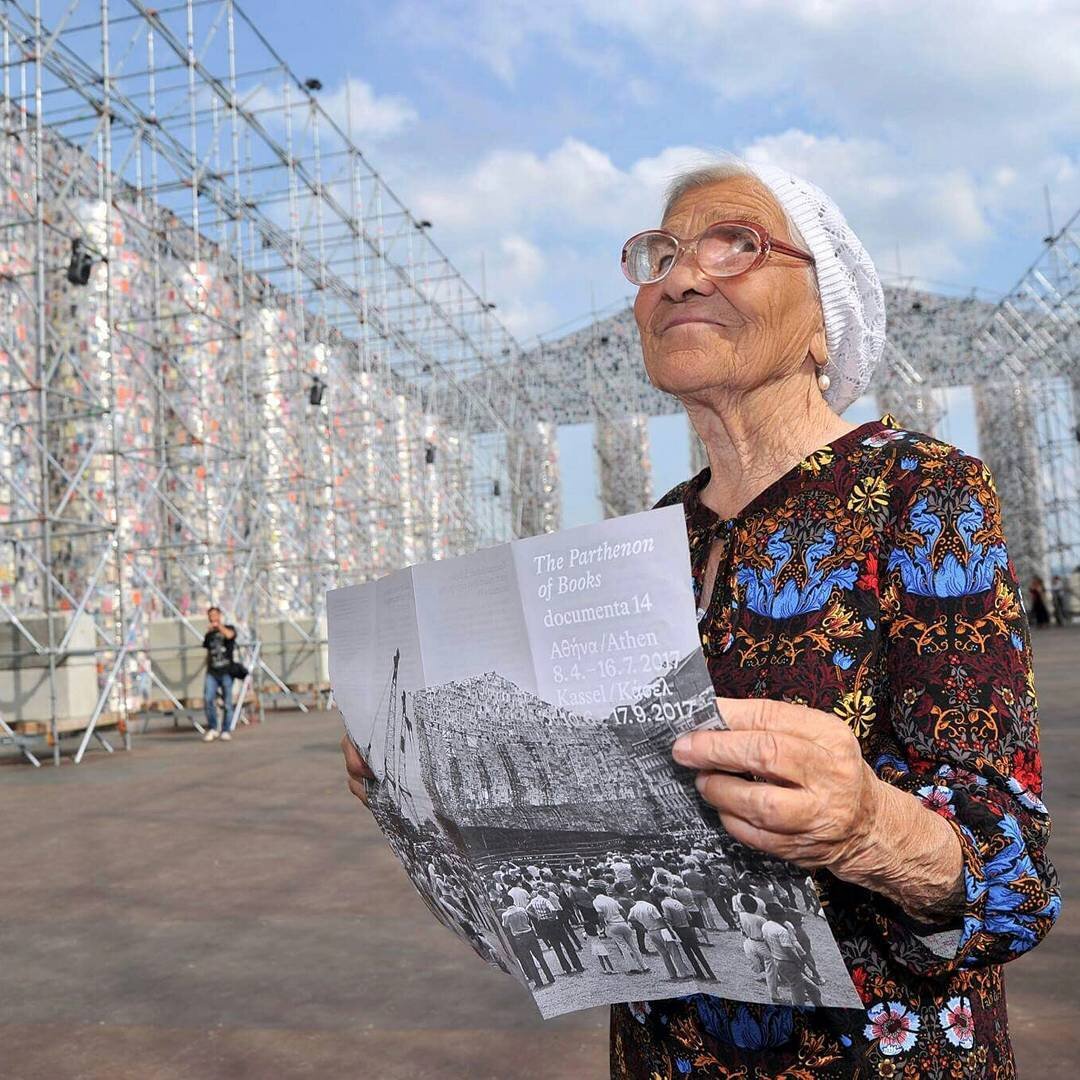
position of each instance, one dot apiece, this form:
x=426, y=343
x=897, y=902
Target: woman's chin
x=685, y=375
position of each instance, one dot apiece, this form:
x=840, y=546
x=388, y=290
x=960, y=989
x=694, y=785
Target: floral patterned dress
x=872, y=581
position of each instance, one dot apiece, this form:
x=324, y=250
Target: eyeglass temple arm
x=787, y=249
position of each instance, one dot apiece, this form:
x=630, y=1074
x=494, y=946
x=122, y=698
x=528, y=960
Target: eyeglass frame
x=766, y=245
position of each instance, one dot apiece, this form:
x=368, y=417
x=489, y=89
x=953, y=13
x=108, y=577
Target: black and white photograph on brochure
x=525, y=778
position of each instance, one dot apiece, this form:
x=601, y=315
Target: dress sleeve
x=964, y=713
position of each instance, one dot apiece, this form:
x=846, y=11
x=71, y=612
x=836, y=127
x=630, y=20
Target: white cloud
x=522, y=260
x=495, y=35
x=575, y=184
x=354, y=103
x=929, y=220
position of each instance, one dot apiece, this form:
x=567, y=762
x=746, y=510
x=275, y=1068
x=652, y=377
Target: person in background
x=751, y=914
x=518, y=894
x=219, y=643
x=648, y=917
x=1039, y=611
x=583, y=901
x=694, y=880
x=619, y=930
x=601, y=952
x=1061, y=600
x=562, y=912
x=686, y=897
x=545, y=920
x=622, y=869
x=785, y=960
x=518, y=925
x=812, y=979
x=678, y=919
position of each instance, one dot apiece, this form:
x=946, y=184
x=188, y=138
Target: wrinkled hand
x=357, y=769
x=817, y=799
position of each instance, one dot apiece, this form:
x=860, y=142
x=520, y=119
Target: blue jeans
x=213, y=681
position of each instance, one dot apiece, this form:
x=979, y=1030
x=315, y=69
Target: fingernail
x=681, y=748
x=700, y=780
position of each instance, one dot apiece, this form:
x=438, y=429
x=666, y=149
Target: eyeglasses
x=724, y=249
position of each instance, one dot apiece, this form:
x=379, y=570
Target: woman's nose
x=686, y=278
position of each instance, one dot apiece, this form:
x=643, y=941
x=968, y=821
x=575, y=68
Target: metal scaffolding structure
x=234, y=367
x=1027, y=356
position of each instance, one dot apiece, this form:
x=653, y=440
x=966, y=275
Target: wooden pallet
x=66, y=726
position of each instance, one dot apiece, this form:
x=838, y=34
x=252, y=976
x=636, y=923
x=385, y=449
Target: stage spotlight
x=78, y=271
x=312, y=85
x=425, y=224
x=429, y=454
x=496, y=489
x=316, y=391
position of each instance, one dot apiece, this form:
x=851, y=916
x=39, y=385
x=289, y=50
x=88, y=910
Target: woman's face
x=734, y=333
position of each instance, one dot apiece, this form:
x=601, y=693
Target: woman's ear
x=818, y=349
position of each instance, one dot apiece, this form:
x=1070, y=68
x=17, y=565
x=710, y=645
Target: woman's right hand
x=357, y=769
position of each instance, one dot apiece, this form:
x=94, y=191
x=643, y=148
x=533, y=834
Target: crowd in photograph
x=654, y=911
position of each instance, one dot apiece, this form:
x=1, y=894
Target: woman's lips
x=690, y=321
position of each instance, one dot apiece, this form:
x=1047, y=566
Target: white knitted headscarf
x=851, y=296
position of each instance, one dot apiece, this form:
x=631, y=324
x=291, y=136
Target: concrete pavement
x=190, y=912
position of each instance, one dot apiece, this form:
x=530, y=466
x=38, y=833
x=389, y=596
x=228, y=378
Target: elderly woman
x=862, y=621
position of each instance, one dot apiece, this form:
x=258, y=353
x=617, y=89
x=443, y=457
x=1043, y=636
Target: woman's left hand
x=819, y=798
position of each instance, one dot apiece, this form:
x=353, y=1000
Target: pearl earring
x=823, y=380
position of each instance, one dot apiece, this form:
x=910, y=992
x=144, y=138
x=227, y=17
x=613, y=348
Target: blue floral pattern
x=953, y=576
x=765, y=597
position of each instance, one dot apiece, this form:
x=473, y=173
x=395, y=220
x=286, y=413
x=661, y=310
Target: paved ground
x=190, y=912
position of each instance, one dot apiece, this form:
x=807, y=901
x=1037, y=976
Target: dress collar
x=699, y=516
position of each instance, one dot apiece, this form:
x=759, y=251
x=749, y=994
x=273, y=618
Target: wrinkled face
x=734, y=333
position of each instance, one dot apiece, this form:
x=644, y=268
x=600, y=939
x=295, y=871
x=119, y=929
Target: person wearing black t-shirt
x=219, y=643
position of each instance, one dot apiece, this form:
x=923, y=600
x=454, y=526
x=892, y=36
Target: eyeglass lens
x=722, y=251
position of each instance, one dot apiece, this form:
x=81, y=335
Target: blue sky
x=537, y=136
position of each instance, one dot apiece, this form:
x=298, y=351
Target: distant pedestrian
x=526, y=948
x=545, y=920
x=618, y=930
x=686, y=897
x=583, y=901
x=695, y=881
x=219, y=643
x=562, y=912
x=1061, y=600
x=648, y=917
x=519, y=895
x=784, y=964
x=678, y=919
x=1039, y=611
x=751, y=915
x=812, y=976
x=600, y=951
